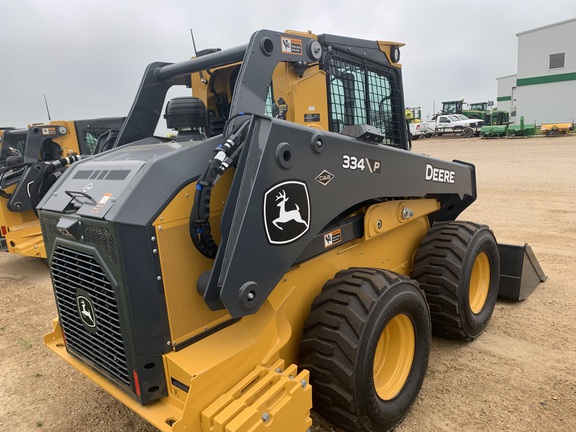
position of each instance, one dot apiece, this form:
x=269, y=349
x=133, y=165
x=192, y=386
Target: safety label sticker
x=311, y=118
x=101, y=203
x=291, y=46
x=332, y=238
x=49, y=131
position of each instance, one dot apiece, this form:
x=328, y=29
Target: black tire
x=429, y=135
x=468, y=132
x=347, y=348
x=415, y=137
x=458, y=267
x=439, y=133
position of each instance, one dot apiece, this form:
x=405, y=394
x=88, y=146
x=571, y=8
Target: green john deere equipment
x=479, y=110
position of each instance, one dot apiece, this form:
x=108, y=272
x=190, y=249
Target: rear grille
x=73, y=271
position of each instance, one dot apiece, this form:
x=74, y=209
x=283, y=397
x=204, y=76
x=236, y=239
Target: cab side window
x=361, y=94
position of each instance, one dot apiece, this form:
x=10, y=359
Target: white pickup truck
x=417, y=130
x=456, y=124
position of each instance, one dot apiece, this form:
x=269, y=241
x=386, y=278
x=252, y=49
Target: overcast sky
x=88, y=57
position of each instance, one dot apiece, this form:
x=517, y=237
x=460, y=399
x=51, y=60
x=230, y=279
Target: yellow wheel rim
x=479, y=282
x=394, y=357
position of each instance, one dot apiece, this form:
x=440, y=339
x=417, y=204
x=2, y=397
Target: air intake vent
x=81, y=284
x=48, y=226
x=100, y=236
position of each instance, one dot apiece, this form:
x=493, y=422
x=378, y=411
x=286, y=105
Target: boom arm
x=283, y=160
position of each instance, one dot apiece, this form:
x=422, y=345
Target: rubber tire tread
x=467, y=132
x=442, y=267
x=332, y=347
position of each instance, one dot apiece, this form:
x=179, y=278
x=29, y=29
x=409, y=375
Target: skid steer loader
x=39, y=155
x=286, y=251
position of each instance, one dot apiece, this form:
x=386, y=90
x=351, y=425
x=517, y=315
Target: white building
x=544, y=89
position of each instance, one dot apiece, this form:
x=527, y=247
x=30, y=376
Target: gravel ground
x=518, y=376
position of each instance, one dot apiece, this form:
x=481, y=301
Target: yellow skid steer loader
x=285, y=251
x=40, y=154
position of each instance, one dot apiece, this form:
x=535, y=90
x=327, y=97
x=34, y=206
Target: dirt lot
x=519, y=375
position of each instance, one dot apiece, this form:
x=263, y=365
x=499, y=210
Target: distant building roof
x=547, y=26
x=507, y=76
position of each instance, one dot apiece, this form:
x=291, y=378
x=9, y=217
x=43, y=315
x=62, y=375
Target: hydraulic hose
x=47, y=177
x=226, y=155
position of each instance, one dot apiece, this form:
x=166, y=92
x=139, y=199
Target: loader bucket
x=520, y=272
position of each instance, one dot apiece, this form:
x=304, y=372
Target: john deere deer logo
x=287, y=216
x=86, y=310
x=286, y=212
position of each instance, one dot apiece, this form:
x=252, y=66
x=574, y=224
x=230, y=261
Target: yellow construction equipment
x=286, y=246
x=35, y=148
x=554, y=129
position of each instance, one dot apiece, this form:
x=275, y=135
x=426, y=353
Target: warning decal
x=332, y=238
x=311, y=118
x=49, y=131
x=101, y=203
x=291, y=46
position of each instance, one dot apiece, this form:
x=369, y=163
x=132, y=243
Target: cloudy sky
x=88, y=57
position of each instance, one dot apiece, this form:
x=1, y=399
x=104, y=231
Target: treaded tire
x=468, y=132
x=443, y=267
x=341, y=347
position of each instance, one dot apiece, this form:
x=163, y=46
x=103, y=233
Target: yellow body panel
x=306, y=96
x=213, y=365
x=69, y=141
x=182, y=264
x=23, y=236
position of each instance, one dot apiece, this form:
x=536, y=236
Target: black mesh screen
x=360, y=94
x=101, y=237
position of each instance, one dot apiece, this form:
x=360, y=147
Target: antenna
x=196, y=55
x=193, y=42
x=47, y=110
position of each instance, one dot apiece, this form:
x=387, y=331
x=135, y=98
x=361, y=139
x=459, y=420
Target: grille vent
x=48, y=226
x=71, y=271
x=101, y=237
